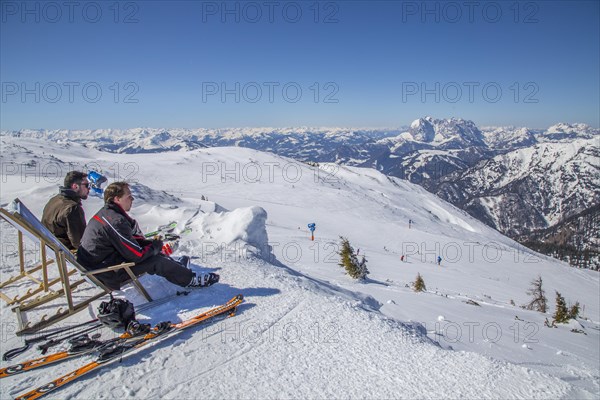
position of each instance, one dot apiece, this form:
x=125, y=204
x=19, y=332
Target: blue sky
x=108, y=64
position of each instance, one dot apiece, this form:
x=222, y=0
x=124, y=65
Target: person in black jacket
x=63, y=215
x=112, y=237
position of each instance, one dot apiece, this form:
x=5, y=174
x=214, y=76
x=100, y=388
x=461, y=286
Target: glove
x=169, y=248
x=157, y=246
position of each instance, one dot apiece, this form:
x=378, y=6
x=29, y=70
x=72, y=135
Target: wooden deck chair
x=61, y=287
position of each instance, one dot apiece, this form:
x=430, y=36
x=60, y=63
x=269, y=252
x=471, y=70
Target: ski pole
x=53, y=342
x=10, y=354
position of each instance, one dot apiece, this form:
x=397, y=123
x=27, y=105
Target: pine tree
x=349, y=261
x=574, y=311
x=363, y=271
x=346, y=253
x=538, y=303
x=352, y=268
x=561, y=315
x=419, y=284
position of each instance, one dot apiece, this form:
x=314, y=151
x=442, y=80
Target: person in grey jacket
x=113, y=237
x=63, y=214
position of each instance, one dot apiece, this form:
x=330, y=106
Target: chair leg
x=137, y=284
x=26, y=327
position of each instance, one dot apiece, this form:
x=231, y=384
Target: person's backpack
x=116, y=313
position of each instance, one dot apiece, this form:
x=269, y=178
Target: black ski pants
x=164, y=266
x=159, y=264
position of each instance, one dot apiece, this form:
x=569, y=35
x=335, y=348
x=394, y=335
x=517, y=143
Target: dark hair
x=115, y=189
x=74, y=177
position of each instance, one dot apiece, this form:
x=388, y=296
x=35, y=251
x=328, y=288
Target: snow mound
x=247, y=225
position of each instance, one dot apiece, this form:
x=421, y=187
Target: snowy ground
x=306, y=329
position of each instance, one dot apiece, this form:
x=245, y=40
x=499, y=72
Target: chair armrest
x=112, y=268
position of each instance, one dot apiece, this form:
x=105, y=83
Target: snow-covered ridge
x=553, y=180
x=569, y=131
x=447, y=133
x=439, y=131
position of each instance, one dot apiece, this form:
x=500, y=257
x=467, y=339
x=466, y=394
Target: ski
x=119, y=350
x=186, y=231
x=162, y=229
x=167, y=232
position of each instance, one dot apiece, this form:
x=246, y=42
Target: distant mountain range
x=540, y=187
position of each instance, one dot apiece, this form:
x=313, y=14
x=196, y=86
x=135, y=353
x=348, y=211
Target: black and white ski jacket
x=112, y=237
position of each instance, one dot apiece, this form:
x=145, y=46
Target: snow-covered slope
x=307, y=330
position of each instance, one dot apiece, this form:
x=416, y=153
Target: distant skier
x=402, y=258
x=409, y=223
x=439, y=260
x=357, y=251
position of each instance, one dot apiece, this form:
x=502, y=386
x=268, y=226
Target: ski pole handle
x=10, y=354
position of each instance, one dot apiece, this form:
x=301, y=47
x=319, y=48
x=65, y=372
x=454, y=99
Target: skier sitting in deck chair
x=63, y=215
x=112, y=237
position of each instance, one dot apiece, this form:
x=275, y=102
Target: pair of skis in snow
x=166, y=231
x=170, y=239
x=112, y=349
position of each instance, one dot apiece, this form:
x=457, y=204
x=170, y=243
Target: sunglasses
x=87, y=185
